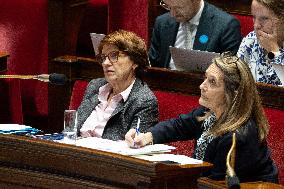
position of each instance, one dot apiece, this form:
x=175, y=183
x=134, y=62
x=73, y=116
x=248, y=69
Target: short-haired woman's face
x=213, y=90
x=120, y=70
x=264, y=19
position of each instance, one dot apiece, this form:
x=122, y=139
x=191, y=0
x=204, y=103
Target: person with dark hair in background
x=112, y=105
x=229, y=104
x=192, y=24
x=264, y=45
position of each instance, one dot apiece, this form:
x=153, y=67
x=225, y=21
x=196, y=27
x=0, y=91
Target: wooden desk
x=35, y=163
x=3, y=61
x=206, y=183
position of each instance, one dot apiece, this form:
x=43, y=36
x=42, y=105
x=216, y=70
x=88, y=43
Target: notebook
x=192, y=60
x=279, y=69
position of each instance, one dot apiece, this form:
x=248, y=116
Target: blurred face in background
x=264, y=19
x=182, y=10
x=213, y=90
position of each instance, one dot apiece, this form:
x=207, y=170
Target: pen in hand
x=137, y=129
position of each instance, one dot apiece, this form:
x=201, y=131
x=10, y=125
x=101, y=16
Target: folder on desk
x=279, y=69
x=192, y=60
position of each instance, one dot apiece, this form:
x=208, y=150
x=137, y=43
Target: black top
x=253, y=162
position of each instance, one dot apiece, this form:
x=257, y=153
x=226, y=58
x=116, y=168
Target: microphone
x=54, y=78
x=232, y=180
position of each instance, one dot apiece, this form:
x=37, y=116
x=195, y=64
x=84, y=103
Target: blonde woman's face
x=213, y=90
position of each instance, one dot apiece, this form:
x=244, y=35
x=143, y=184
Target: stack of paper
x=154, y=153
x=121, y=147
x=169, y=158
x=17, y=129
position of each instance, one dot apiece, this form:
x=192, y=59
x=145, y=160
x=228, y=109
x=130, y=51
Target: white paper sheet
x=121, y=147
x=179, y=159
x=279, y=69
x=14, y=127
x=192, y=60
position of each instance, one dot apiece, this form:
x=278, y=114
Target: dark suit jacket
x=222, y=29
x=141, y=103
x=253, y=160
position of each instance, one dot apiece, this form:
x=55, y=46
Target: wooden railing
x=157, y=78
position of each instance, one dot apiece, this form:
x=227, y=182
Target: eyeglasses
x=164, y=5
x=112, y=57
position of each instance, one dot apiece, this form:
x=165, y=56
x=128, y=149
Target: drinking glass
x=70, y=125
x=96, y=39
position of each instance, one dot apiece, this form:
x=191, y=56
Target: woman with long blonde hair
x=229, y=104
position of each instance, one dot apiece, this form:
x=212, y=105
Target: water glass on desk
x=70, y=126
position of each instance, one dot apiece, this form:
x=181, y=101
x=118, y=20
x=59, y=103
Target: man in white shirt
x=192, y=24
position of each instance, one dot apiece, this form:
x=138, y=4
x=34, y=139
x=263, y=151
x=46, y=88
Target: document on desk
x=17, y=129
x=192, y=60
x=279, y=69
x=170, y=158
x=13, y=127
x=121, y=147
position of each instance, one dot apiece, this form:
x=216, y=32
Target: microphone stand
x=42, y=77
x=232, y=180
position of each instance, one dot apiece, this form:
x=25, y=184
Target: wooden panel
x=3, y=61
x=35, y=163
x=164, y=79
x=64, y=20
x=157, y=78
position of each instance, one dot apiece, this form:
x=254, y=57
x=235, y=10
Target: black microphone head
x=233, y=182
x=57, y=79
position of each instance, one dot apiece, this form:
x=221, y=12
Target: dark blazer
x=222, y=29
x=253, y=162
x=141, y=103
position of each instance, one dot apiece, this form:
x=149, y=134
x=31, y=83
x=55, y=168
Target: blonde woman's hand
x=137, y=141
